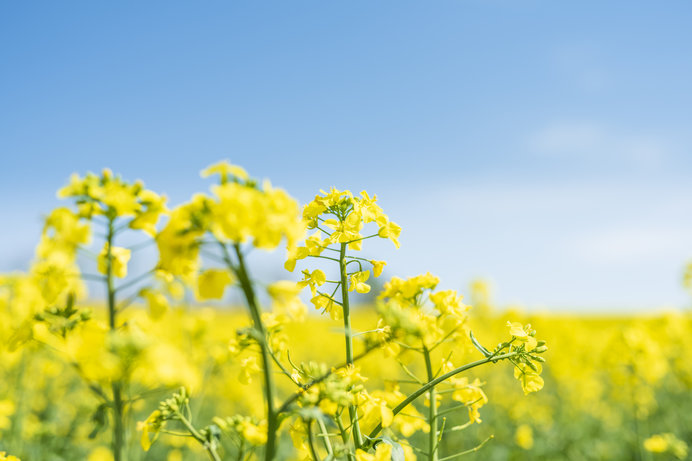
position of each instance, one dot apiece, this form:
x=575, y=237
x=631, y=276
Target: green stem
x=118, y=404
x=342, y=429
x=311, y=442
x=269, y=389
x=325, y=437
x=352, y=411
x=295, y=396
x=211, y=449
x=344, y=434
x=432, y=411
x=423, y=389
x=134, y=281
x=467, y=452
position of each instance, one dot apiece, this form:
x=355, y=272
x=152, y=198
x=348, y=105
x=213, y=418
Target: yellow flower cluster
x=527, y=368
x=416, y=315
x=111, y=196
x=238, y=211
x=666, y=443
x=340, y=217
x=5, y=457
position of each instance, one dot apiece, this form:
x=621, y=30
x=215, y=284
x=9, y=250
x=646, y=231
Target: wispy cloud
x=590, y=140
x=627, y=245
x=581, y=244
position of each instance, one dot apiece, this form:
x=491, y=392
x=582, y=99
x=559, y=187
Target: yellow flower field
x=314, y=367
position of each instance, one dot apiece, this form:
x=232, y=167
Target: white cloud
x=625, y=245
x=585, y=140
x=580, y=244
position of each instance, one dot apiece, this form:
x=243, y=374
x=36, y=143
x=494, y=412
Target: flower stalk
x=352, y=410
x=269, y=387
x=118, y=404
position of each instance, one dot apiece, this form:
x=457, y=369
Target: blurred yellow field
x=602, y=400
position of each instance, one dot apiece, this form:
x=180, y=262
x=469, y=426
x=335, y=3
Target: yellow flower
x=377, y=267
x=100, y=453
x=391, y=231
x=157, y=302
x=7, y=409
x=322, y=301
x=375, y=410
x=225, y=170
x=285, y=295
x=383, y=452
x=448, y=302
x=517, y=330
x=212, y=283
x=248, y=366
x=5, y=457
x=293, y=256
x=178, y=242
x=119, y=257
x=284, y=290
x=667, y=442
x=656, y=444
x=357, y=282
x=471, y=395
x=175, y=455
x=528, y=377
x=398, y=288
x=524, y=437
x=63, y=232
x=367, y=208
x=364, y=456
x=146, y=220
x=313, y=279
x=152, y=425
x=253, y=433
x=120, y=197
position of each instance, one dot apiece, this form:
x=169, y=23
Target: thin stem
x=211, y=449
x=141, y=245
x=327, y=248
x=269, y=389
x=210, y=255
x=311, y=442
x=410, y=373
x=432, y=411
x=316, y=381
x=325, y=437
x=342, y=429
x=453, y=409
x=124, y=304
x=134, y=281
x=87, y=252
x=118, y=441
x=472, y=450
x=323, y=257
x=357, y=438
x=423, y=389
x=331, y=298
x=362, y=238
x=283, y=368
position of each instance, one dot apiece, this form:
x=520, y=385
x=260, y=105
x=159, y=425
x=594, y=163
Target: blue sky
x=543, y=145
